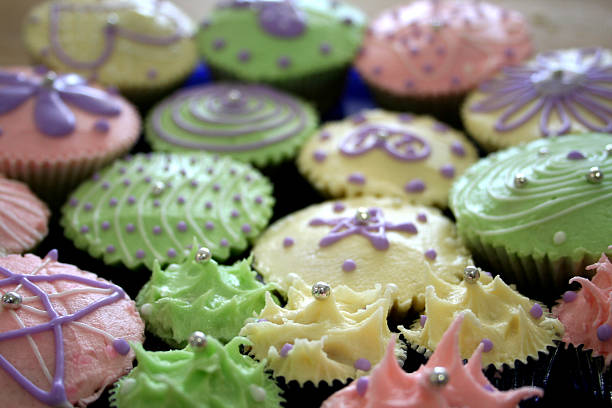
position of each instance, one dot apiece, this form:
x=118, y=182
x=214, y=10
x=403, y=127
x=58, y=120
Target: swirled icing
x=431, y=47
x=322, y=340
x=248, y=122
x=120, y=216
x=582, y=315
x=191, y=296
x=550, y=210
x=558, y=92
x=215, y=375
x=492, y=311
x=389, y=386
x=400, y=155
x=23, y=217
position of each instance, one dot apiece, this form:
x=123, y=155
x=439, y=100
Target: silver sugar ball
x=520, y=180
x=471, y=274
x=112, y=19
x=203, y=255
x=197, y=340
x=382, y=133
x=439, y=377
x=158, y=188
x=543, y=151
x=321, y=290
x=609, y=149
x=595, y=175
x=362, y=216
x=234, y=95
x=12, y=300
x=557, y=74
x=49, y=79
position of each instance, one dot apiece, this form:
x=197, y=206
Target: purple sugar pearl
x=171, y=253
x=216, y=187
x=569, y=296
x=219, y=44
x=224, y=242
x=325, y=48
x=356, y=178
x=73, y=202
x=130, y=227
x=121, y=346
x=575, y=155
x=87, y=206
x=415, y=186
x=536, y=311
x=244, y=56
x=235, y=214
x=457, y=149
x=284, y=62
x=362, y=385
x=180, y=200
x=102, y=126
x=325, y=135
x=194, y=183
x=246, y=228
x=284, y=351
x=113, y=202
x=208, y=205
x=157, y=230
x=105, y=225
x=110, y=249
x=422, y=217
x=287, y=242
x=156, y=203
x=209, y=225
x=258, y=200
x=319, y=156
x=363, y=364
x=349, y=266
x=152, y=73
x=431, y=254
x=84, y=229
x=105, y=185
x=339, y=207
x=422, y=320
x=604, y=332
x=448, y=171
x=181, y=226
x=237, y=198
x=488, y=345
x=140, y=254
x=131, y=200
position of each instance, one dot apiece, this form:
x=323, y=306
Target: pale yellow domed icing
x=322, y=339
x=516, y=326
x=294, y=245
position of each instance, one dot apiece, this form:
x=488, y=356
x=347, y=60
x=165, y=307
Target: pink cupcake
x=23, y=218
x=55, y=130
x=425, y=56
x=63, y=333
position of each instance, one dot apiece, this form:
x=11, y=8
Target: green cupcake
x=302, y=46
x=205, y=374
x=152, y=206
x=252, y=123
x=539, y=213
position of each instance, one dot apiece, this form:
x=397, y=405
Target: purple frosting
x=399, y=144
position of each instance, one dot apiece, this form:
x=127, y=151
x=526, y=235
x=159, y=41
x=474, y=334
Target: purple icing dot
x=157, y=230
x=181, y=226
x=536, y=311
x=415, y=186
x=362, y=385
x=258, y=200
x=422, y=320
x=147, y=179
x=121, y=346
x=428, y=68
x=105, y=185
x=488, y=345
x=183, y=172
x=325, y=48
x=440, y=51
x=131, y=200
x=113, y=202
x=171, y=253
x=105, y=225
x=455, y=81
x=377, y=70
x=319, y=155
x=363, y=364
x=224, y=242
x=604, y=332
x=248, y=177
x=246, y=228
x=236, y=198
x=339, y=207
x=489, y=387
x=180, y=200
x=356, y=178
x=140, y=254
x=110, y=249
x=288, y=241
x=194, y=183
x=244, y=56
x=283, y=62
x=95, y=177
x=405, y=117
x=216, y=187
x=87, y=206
x=218, y=44
x=285, y=349
x=509, y=53
x=73, y=202
x=325, y=135
x=209, y=225
x=349, y=266
x=84, y=229
x=130, y=227
x=409, y=84
x=156, y=203
x=569, y=296
x=235, y=214
x=448, y=171
x=208, y=205
x=210, y=170
x=431, y=254
x=122, y=170
x=102, y=126
x=457, y=149
x=575, y=155
x=415, y=51
x=422, y=217
x=127, y=182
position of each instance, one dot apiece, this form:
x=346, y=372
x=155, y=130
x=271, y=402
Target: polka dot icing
x=161, y=221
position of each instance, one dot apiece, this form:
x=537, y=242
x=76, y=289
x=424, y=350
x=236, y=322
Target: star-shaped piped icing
x=323, y=333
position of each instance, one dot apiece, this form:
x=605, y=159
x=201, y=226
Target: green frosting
x=251, y=123
x=557, y=212
x=236, y=29
x=153, y=206
x=213, y=376
x=201, y=295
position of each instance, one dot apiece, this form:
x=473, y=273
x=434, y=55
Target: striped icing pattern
x=120, y=216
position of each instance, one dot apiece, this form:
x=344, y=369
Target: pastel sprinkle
x=362, y=385
x=209, y=225
x=181, y=226
x=319, y=156
x=448, y=171
x=356, y=178
x=569, y=296
x=415, y=186
x=110, y=249
x=140, y=254
x=130, y=227
x=363, y=364
x=288, y=242
x=246, y=228
x=284, y=351
x=422, y=320
x=604, y=332
x=536, y=311
x=171, y=253
x=488, y=345
x=349, y=266
x=431, y=254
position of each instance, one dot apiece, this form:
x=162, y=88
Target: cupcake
x=204, y=374
x=151, y=207
x=251, y=123
x=535, y=212
x=200, y=294
x=443, y=382
x=142, y=47
x=387, y=154
x=302, y=46
x=64, y=332
x=362, y=242
x=57, y=129
x=425, y=56
x=23, y=218
x=556, y=93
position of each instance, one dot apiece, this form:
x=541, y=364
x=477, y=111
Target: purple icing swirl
x=279, y=18
x=399, y=144
x=552, y=87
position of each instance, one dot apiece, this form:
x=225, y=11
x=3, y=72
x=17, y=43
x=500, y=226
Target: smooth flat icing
x=556, y=93
x=200, y=295
x=509, y=325
x=443, y=382
x=323, y=333
x=205, y=373
x=152, y=206
x=387, y=154
x=385, y=239
x=252, y=123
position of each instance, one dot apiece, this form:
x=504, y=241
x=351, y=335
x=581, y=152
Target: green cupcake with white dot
x=302, y=46
x=539, y=213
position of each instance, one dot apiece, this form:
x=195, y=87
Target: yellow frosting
x=492, y=310
x=384, y=174
x=402, y=263
x=327, y=335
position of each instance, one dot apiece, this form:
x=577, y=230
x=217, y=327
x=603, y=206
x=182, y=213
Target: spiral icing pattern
x=236, y=119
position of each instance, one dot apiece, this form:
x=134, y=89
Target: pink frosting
x=91, y=361
x=589, y=310
x=433, y=47
x=389, y=386
x=23, y=217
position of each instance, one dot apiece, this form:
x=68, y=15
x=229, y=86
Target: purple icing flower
x=399, y=144
x=556, y=85
x=51, y=114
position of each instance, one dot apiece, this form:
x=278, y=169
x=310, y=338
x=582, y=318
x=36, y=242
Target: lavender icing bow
x=277, y=17
x=397, y=143
x=51, y=114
